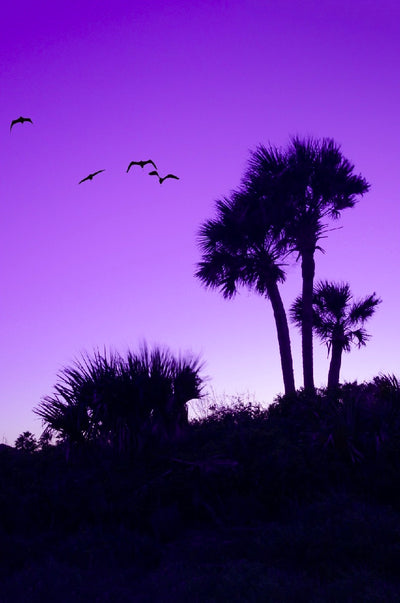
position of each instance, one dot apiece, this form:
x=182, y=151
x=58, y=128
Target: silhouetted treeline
x=304, y=494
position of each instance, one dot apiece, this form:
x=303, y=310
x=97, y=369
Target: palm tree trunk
x=336, y=361
x=282, y=329
x=308, y=271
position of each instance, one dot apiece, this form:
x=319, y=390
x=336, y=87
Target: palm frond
x=359, y=336
x=363, y=309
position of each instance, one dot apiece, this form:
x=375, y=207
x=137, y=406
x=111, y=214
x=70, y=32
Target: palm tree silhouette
x=240, y=249
x=337, y=321
x=308, y=183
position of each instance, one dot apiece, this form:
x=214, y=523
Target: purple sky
x=194, y=86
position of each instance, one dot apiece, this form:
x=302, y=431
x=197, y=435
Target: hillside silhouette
x=299, y=501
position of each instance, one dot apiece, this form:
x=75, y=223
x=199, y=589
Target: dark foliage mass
x=122, y=402
x=296, y=502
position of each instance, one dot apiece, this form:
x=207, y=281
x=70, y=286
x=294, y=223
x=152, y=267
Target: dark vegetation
x=296, y=502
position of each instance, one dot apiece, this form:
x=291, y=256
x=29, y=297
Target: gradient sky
x=194, y=85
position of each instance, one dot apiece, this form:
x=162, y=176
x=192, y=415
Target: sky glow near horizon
x=193, y=86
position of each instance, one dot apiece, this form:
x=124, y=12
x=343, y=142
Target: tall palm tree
x=238, y=250
x=337, y=321
x=308, y=183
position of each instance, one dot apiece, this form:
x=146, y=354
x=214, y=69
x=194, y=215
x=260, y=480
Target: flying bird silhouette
x=91, y=176
x=141, y=163
x=20, y=120
x=161, y=179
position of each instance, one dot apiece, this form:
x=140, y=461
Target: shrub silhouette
x=26, y=441
x=121, y=402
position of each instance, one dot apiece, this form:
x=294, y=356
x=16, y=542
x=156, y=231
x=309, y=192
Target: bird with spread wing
x=141, y=163
x=91, y=176
x=20, y=120
x=161, y=179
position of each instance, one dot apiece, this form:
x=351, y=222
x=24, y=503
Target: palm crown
x=238, y=252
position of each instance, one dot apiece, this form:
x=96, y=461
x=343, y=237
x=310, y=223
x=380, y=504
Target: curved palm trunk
x=336, y=361
x=282, y=329
x=307, y=271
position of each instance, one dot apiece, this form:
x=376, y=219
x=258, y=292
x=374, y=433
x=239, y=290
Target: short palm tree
x=307, y=183
x=240, y=249
x=337, y=321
